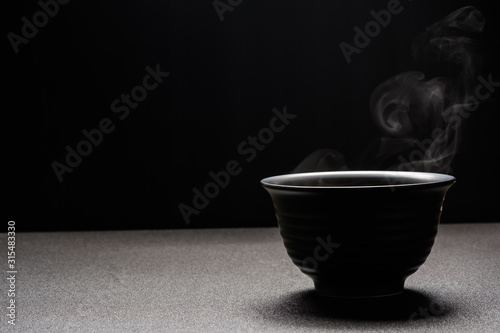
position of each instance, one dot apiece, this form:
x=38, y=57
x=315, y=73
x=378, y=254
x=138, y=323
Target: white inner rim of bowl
x=356, y=179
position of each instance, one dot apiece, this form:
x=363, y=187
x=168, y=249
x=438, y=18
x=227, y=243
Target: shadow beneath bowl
x=311, y=309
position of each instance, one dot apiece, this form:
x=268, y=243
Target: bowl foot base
x=358, y=291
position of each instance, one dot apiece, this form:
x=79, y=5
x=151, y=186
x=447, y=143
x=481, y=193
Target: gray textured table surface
x=238, y=280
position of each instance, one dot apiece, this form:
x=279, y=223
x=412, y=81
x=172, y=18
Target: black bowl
x=358, y=233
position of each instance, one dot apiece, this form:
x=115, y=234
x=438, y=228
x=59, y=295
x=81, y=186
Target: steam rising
x=404, y=104
x=407, y=105
x=416, y=114
x=322, y=160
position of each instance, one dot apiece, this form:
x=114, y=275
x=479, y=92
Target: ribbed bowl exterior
x=359, y=242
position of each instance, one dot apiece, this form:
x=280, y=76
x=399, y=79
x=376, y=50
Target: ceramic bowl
x=358, y=233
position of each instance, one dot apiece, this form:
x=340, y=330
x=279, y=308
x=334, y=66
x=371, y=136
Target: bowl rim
x=426, y=179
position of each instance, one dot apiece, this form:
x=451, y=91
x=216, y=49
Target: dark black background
x=225, y=78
